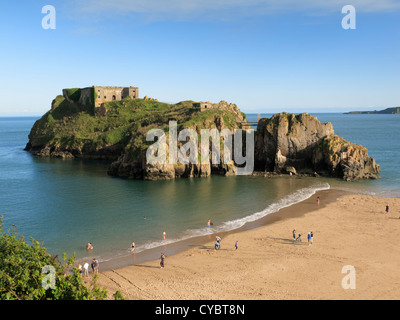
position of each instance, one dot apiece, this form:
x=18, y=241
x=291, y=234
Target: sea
x=65, y=204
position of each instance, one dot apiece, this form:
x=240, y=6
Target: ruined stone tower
x=96, y=95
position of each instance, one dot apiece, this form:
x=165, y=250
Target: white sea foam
x=296, y=197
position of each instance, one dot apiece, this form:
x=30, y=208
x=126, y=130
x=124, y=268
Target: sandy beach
x=349, y=230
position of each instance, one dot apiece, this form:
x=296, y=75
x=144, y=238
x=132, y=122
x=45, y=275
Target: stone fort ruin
x=106, y=94
x=96, y=95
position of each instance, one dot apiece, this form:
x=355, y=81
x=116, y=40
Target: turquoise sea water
x=67, y=203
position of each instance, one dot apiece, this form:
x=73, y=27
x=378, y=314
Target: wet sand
x=349, y=230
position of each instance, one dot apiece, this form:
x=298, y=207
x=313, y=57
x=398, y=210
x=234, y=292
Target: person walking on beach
x=133, y=246
x=387, y=209
x=309, y=238
x=294, y=234
x=217, y=245
x=312, y=237
x=162, y=260
x=236, y=245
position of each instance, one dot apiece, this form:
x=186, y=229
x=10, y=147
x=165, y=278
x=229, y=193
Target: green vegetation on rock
x=71, y=129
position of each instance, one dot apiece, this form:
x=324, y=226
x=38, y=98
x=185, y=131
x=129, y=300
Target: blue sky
x=265, y=56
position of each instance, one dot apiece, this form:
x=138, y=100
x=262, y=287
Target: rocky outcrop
x=345, y=159
x=301, y=144
x=284, y=144
x=149, y=99
x=132, y=164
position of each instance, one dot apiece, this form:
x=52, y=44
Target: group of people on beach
x=84, y=269
x=95, y=263
x=310, y=236
x=217, y=245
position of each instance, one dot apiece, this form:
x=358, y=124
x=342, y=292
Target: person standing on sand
x=294, y=234
x=95, y=266
x=86, y=269
x=387, y=209
x=312, y=237
x=162, y=260
x=309, y=238
x=236, y=245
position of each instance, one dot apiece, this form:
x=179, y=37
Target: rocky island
x=111, y=123
x=301, y=144
x=393, y=110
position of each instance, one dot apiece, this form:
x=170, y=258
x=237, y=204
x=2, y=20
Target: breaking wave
x=291, y=199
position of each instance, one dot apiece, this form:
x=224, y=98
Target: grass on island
x=72, y=125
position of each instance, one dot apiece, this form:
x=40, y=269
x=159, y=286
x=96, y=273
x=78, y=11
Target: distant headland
x=112, y=123
x=394, y=110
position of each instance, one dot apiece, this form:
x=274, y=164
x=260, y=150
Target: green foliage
x=57, y=101
x=74, y=94
x=21, y=274
x=124, y=125
x=50, y=120
x=118, y=295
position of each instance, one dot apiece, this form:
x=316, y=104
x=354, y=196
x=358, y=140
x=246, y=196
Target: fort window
x=114, y=98
x=105, y=97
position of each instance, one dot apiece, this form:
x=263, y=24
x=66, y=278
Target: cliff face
x=300, y=143
x=133, y=164
x=345, y=159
